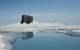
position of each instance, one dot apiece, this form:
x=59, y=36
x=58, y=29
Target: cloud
x=48, y=14
x=73, y=17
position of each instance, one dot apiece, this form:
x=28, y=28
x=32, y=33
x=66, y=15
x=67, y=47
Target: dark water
x=43, y=41
x=48, y=41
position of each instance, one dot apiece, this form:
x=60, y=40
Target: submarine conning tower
x=27, y=19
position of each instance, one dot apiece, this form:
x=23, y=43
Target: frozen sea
x=43, y=40
x=47, y=39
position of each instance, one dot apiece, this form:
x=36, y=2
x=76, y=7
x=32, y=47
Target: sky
x=42, y=10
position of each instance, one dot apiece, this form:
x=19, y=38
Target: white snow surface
x=37, y=26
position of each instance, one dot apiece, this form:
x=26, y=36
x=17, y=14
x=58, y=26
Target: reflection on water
x=73, y=34
x=27, y=35
x=7, y=40
x=41, y=39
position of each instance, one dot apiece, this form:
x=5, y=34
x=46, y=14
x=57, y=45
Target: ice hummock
x=37, y=26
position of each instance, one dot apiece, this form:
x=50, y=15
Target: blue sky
x=42, y=10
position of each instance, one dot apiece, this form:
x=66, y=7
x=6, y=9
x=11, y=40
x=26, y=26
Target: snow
x=37, y=26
